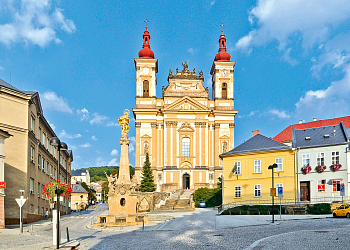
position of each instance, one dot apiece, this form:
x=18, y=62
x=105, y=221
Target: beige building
x=184, y=131
x=80, y=197
x=80, y=176
x=30, y=160
x=3, y=135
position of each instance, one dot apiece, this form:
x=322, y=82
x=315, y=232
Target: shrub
x=322, y=208
x=213, y=197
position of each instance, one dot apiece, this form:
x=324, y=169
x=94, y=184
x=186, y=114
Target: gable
x=186, y=103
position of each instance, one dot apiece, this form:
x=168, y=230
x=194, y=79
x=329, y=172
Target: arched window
x=224, y=147
x=145, y=88
x=186, y=146
x=224, y=91
x=145, y=148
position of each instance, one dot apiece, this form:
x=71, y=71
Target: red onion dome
x=146, y=51
x=222, y=56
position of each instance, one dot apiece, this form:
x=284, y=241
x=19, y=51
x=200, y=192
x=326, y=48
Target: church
x=184, y=131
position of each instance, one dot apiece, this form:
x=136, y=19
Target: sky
x=292, y=61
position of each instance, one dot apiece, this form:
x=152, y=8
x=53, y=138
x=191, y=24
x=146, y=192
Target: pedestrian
x=47, y=214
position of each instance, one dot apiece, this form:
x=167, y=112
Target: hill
x=98, y=173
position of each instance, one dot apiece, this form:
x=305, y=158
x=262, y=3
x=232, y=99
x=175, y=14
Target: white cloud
x=51, y=101
x=113, y=162
x=212, y=3
x=94, y=138
x=83, y=114
x=279, y=113
x=111, y=124
x=132, y=144
x=72, y=148
x=192, y=51
x=34, y=22
x=97, y=118
x=114, y=152
x=86, y=145
x=64, y=134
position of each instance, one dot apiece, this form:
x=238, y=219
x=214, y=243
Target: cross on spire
x=146, y=22
x=222, y=26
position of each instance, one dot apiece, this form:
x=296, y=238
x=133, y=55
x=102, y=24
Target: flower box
x=336, y=167
x=56, y=187
x=306, y=169
x=321, y=168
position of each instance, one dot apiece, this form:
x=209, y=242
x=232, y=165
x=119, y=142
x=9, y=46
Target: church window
x=145, y=88
x=186, y=147
x=122, y=201
x=224, y=91
x=224, y=147
x=145, y=148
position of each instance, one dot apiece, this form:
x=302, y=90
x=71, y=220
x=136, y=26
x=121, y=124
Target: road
x=198, y=230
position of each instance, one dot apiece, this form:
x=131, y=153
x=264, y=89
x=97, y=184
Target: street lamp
x=61, y=146
x=273, y=166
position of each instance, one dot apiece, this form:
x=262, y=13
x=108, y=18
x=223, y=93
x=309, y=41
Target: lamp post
x=61, y=146
x=272, y=167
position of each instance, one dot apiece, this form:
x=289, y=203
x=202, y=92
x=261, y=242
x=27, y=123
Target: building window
x=224, y=91
x=237, y=168
x=42, y=189
x=40, y=134
x=47, y=167
x=257, y=166
x=171, y=177
x=54, y=173
x=306, y=160
x=44, y=139
x=32, y=153
x=39, y=161
x=47, y=142
x=42, y=211
x=200, y=177
x=186, y=147
x=335, y=157
x=39, y=186
x=159, y=177
x=145, y=147
x=43, y=164
x=279, y=163
x=145, y=88
x=320, y=159
x=31, y=188
x=32, y=124
x=224, y=147
x=257, y=190
x=51, y=170
x=321, y=187
x=238, y=193
x=211, y=176
x=336, y=185
x=31, y=208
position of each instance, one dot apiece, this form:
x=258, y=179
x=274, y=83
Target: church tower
x=146, y=68
x=222, y=73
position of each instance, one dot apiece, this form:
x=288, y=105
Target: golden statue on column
x=124, y=121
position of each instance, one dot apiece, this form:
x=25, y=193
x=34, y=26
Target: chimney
x=315, y=119
x=255, y=132
x=300, y=121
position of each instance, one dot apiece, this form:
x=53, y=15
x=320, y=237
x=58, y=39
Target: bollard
x=67, y=234
x=143, y=223
x=121, y=224
x=104, y=223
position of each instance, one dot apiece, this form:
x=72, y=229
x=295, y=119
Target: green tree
x=147, y=182
x=91, y=194
x=219, y=184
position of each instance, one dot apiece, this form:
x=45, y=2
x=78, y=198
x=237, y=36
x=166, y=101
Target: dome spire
x=146, y=51
x=222, y=56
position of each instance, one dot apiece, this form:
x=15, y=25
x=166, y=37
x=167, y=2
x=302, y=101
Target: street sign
x=273, y=191
x=2, y=184
x=280, y=192
x=342, y=187
x=20, y=202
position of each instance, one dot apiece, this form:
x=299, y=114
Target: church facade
x=185, y=130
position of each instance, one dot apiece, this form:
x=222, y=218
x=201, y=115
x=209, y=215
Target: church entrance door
x=186, y=181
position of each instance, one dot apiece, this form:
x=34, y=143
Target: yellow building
x=184, y=131
x=247, y=179
x=79, y=197
x=30, y=161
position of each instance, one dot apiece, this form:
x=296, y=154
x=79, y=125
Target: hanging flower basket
x=321, y=168
x=306, y=169
x=336, y=167
x=56, y=187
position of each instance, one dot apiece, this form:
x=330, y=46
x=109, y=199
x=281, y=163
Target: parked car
x=343, y=210
x=202, y=204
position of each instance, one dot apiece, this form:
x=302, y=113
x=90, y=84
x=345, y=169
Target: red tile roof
x=286, y=135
